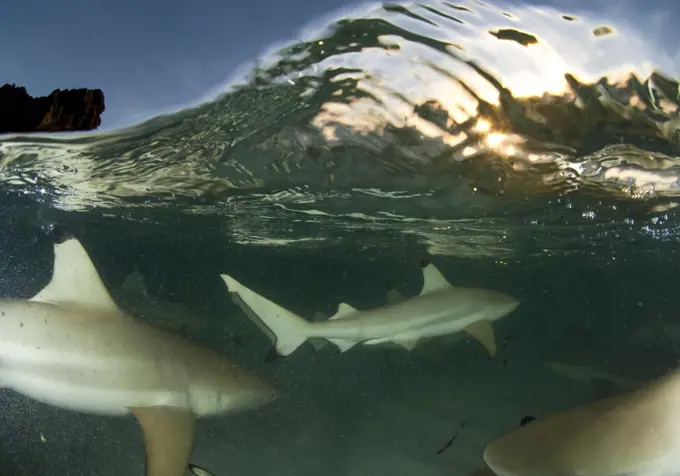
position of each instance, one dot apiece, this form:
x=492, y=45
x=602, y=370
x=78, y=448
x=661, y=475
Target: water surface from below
x=470, y=129
x=526, y=150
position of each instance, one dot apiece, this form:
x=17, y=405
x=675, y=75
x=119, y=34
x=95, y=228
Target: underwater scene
x=434, y=238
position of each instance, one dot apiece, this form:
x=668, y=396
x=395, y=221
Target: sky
x=153, y=56
x=144, y=55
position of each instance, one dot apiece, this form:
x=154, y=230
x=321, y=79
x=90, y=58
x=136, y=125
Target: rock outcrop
x=62, y=110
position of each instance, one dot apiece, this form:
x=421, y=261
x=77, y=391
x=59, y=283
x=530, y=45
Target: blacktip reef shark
x=136, y=300
x=439, y=309
x=588, y=374
x=633, y=434
x=70, y=346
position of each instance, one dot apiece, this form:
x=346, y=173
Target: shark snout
x=512, y=304
x=505, y=304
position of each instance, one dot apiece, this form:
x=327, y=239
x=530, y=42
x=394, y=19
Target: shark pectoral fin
x=483, y=332
x=433, y=280
x=344, y=310
x=168, y=438
x=394, y=296
x=75, y=279
x=342, y=344
x=408, y=344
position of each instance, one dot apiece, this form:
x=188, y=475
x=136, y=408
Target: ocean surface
x=524, y=149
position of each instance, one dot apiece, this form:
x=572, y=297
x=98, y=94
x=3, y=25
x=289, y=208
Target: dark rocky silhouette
x=62, y=110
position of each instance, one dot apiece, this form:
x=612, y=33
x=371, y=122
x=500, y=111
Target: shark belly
x=81, y=365
x=87, y=397
x=446, y=325
x=71, y=346
x=381, y=323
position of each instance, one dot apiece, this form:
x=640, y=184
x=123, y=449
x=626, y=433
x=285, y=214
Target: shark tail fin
x=289, y=329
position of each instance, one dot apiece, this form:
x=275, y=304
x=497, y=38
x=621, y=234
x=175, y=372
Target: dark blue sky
x=145, y=55
x=152, y=55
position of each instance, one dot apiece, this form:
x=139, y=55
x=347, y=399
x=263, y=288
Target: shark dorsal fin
x=75, y=279
x=433, y=280
x=344, y=310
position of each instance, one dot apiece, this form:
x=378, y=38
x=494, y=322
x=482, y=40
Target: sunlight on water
x=454, y=125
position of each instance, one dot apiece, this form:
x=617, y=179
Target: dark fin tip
x=526, y=420
x=60, y=234
x=424, y=263
x=272, y=355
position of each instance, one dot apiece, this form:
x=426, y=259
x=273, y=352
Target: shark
x=635, y=433
x=589, y=374
x=609, y=365
x=439, y=309
x=134, y=298
x=72, y=347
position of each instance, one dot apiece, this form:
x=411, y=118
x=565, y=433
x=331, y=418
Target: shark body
x=634, y=434
x=439, y=309
x=589, y=374
x=70, y=346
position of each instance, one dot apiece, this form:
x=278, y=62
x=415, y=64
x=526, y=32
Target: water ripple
x=472, y=129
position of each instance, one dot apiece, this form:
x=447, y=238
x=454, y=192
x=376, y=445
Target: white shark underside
x=633, y=434
x=58, y=355
x=440, y=309
x=71, y=347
